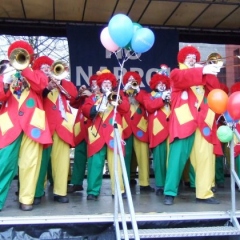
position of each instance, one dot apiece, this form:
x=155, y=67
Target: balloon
x=136, y=26
x=224, y=134
x=121, y=29
x=142, y=40
x=107, y=41
x=217, y=100
x=228, y=118
x=233, y=105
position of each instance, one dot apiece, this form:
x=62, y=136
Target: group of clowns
x=173, y=122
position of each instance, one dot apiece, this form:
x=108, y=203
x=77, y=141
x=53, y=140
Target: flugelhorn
x=59, y=70
x=19, y=58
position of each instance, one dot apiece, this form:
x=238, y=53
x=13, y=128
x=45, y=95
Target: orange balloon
x=217, y=101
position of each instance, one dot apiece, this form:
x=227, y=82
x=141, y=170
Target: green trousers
x=8, y=167
x=95, y=166
x=43, y=171
x=128, y=155
x=159, y=163
x=179, y=153
x=79, y=165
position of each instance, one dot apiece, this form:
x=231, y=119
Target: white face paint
x=106, y=85
x=161, y=87
x=94, y=87
x=46, y=69
x=190, y=60
x=184, y=95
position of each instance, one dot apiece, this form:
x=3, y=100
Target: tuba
x=59, y=70
x=19, y=58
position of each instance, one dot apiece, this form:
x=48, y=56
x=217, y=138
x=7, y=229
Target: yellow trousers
x=110, y=159
x=29, y=165
x=60, y=159
x=203, y=161
x=142, y=154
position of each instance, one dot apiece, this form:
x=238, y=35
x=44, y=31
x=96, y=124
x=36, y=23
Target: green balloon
x=224, y=134
x=136, y=26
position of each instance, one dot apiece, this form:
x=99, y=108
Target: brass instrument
x=134, y=84
x=114, y=97
x=59, y=70
x=19, y=58
x=81, y=92
x=215, y=58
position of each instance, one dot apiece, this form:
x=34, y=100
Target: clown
x=81, y=135
x=192, y=126
x=100, y=109
x=61, y=121
x=24, y=127
x=157, y=106
x=135, y=129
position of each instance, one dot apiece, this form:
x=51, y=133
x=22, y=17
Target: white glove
x=101, y=108
x=107, y=93
x=114, y=103
x=127, y=86
x=166, y=95
x=213, y=69
x=137, y=89
x=8, y=74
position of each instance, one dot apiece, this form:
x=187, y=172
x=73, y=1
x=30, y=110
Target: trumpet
x=114, y=97
x=59, y=70
x=134, y=84
x=83, y=90
x=61, y=88
x=19, y=58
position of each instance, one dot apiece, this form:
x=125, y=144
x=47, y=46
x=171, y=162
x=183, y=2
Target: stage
x=86, y=214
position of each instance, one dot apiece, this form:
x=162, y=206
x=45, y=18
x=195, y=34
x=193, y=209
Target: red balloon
x=217, y=101
x=233, y=105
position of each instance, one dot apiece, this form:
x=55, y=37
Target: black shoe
x=159, y=191
x=133, y=181
x=37, y=200
x=124, y=196
x=26, y=207
x=92, y=197
x=60, y=199
x=146, y=189
x=74, y=188
x=168, y=200
x=211, y=200
x=214, y=189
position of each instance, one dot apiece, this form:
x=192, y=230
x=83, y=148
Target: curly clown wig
x=182, y=54
x=157, y=78
x=41, y=61
x=134, y=75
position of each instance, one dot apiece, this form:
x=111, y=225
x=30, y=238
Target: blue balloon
x=228, y=118
x=142, y=40
x=120, y=29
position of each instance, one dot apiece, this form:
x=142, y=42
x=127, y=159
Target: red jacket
x=101, y=129
x=26, y=113
x=61, y=122
x=189, y=108
x=135, y=121
x=158, y=119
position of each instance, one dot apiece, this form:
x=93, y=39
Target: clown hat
x=157, y=78
x=182, y=54
x=106, y=74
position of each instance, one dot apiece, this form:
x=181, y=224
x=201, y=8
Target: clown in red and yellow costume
x=158, y=108
x=24, y=127
x=135, y=131
x=100, y=110
x=192, y=126
x=61, y=121
x=81, y=135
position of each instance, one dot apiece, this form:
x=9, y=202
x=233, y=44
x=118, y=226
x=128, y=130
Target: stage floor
x=146, y=206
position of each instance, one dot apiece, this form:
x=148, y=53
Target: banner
x=87, y=55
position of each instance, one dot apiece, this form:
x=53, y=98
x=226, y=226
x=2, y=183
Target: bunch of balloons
x=229, y=107
x=121, y=32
